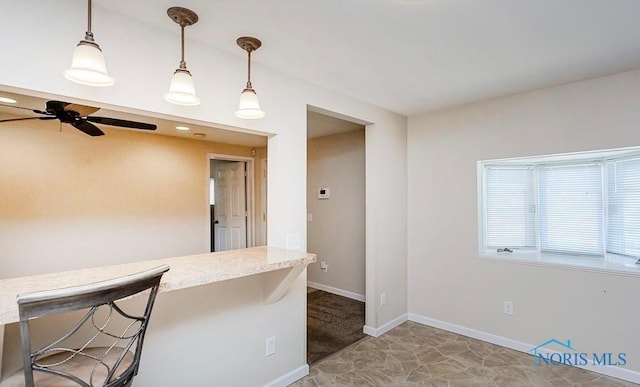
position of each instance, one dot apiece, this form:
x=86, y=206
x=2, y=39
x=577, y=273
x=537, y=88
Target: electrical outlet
x=383, y=298
x=324, y=266
x=508, y=308
x=271, y=345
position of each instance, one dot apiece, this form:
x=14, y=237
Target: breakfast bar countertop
x=185, y=272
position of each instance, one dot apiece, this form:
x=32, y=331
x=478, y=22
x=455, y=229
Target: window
x=571, y=217
x=575, y=206
x=623, y=188
x=212, y=191
x=510, y=207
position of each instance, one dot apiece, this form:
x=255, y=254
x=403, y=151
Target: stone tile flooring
x=417, y=355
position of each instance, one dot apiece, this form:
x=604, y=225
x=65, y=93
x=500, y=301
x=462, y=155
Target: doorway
x=336, y=232
x=231, y=202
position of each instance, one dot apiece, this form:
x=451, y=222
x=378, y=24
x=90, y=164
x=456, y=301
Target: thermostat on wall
x=324, y=193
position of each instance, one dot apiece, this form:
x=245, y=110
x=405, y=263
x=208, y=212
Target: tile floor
x=417, y=355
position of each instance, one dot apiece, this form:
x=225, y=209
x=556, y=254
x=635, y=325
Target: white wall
x=386, y=228
x=337, y=230
x=448, y=282
x=138, y=57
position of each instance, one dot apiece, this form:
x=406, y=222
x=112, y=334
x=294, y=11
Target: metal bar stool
x=75, y=359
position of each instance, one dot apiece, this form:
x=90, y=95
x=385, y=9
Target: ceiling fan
x=79, y=116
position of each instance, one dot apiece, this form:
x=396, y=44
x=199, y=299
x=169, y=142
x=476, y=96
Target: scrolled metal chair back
x=92, y=363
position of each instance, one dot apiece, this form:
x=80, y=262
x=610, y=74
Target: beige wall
x=71, y=201
x=337, y=231
x=448, y=282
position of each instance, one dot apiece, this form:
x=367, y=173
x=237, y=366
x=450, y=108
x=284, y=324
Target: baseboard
x=375, y=332
x=289, y=377
x=340, y=292
x=616, y=372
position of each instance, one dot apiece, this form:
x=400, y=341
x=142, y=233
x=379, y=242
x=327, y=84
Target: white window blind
x=624, y=207
x=571, y=209
x=509, y=207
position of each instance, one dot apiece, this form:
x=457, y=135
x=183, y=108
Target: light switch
x=271, y=345
x=294, y=242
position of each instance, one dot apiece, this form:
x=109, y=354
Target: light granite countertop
x=185, y=272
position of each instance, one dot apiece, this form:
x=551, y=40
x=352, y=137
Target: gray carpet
x=333, y=322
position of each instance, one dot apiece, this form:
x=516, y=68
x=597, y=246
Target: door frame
x=249, y=188
x=371, y=314
x=261, y=225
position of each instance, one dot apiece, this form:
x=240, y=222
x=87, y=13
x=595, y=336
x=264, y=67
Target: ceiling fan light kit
x=88, y=66
x=182, y=90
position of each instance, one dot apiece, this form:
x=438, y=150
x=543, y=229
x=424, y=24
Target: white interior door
x=230, y=225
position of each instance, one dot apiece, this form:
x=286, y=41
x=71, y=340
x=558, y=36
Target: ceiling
x=415, y=56
x=165, y=126
x=319, y=125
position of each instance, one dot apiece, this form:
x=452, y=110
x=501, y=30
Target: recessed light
x=200, y=135
x=7, y=100
x=183, y=128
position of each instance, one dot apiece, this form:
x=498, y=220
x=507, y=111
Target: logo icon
x=557, y=352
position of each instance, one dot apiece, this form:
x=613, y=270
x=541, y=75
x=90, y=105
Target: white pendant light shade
x=249, y=107
x=88, y=66
x=182, y=90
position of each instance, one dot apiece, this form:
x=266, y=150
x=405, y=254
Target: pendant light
x=249, y=107
x=87, y=64
x=182, y=90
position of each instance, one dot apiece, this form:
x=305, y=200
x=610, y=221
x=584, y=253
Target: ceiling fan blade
x=87, y=128
x=122, y=123
x=28, y=118
x=23, y=108
x=82, y=110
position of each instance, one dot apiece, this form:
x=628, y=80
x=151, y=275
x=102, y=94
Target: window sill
x=622, y=266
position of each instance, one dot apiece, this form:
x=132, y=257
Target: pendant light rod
x=184, y=18
x=183, y=64
x=249, y=71
x=248, y=44
x=89, y=18
x=88, y=36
